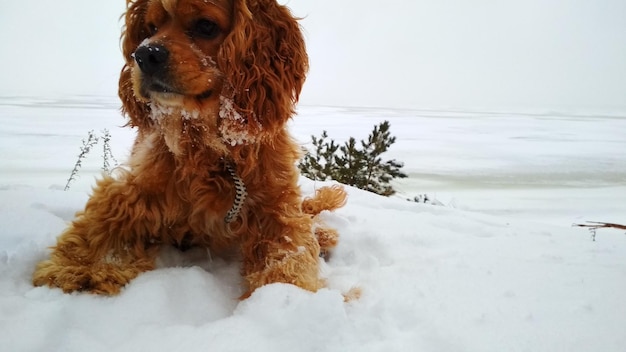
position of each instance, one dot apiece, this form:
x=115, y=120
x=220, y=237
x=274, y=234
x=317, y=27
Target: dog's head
x=244, y=61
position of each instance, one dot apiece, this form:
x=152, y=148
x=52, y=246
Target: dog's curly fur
x=209, y=85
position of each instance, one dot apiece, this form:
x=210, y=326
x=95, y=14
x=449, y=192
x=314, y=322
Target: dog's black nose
x=151, y=58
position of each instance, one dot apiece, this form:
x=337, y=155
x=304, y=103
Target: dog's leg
x=107, y=245
x=286, y=251
x=285, y=247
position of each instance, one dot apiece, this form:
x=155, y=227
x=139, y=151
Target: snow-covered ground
x=499, y=268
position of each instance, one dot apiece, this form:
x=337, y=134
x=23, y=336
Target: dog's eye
x=206, y=29
x=152, y=29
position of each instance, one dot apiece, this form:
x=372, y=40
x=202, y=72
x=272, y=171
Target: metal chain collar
x=240, y=194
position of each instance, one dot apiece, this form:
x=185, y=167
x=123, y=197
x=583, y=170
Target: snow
x=498, y=268
x=233, y=126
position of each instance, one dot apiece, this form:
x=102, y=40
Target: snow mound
x=433, y=279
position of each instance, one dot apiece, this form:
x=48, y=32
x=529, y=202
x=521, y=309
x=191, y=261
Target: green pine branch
x=355, y=164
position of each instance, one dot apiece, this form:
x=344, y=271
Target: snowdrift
x=433, y=279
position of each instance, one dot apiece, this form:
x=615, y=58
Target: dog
x=209, y=85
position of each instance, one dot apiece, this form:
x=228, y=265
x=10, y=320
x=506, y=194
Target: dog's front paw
x=99, y=279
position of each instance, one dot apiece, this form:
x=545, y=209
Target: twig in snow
x=595, y=225
x=84, y=150
x=107, y=154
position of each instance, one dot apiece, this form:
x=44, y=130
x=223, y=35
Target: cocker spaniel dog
x=209, y=85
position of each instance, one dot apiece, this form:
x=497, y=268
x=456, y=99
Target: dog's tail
x=328, y=198
x=325, y=198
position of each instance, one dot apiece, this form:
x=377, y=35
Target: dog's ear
x=133, y=33
x=265, y=63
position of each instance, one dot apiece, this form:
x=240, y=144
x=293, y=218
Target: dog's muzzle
x=151, y=59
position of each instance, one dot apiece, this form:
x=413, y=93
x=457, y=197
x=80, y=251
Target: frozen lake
x=533, y=165
x=528, y=165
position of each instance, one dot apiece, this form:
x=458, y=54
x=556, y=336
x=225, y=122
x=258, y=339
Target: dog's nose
x=151, y=58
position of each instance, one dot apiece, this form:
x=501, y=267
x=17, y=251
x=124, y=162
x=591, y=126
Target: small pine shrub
x=355, y=164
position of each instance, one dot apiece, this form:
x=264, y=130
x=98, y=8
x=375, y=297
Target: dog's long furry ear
x=133, y=33
x=265, y=63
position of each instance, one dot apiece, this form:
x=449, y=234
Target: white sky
x=545, y=54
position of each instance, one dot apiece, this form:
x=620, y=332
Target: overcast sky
x=543, y=54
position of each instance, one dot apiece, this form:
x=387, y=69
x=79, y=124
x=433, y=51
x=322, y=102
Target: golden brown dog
x=209, y=84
